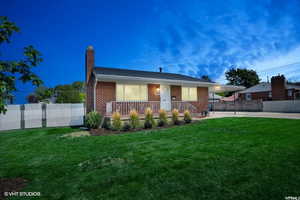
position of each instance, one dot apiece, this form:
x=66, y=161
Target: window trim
x=147, y=96
x=189, y=94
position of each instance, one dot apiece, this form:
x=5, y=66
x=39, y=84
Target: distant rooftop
x=266, y=87
x=146, y=74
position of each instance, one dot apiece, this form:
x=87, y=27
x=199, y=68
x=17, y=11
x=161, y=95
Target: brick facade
x=256, y=96
x=153, y=95
x=175, y=93
x=105, y=92
x=89, y=78
x=278, y=88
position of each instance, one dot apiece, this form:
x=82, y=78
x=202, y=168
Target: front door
x=165, y=97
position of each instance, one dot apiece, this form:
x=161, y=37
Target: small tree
x=149, y=121
x=175, y=117
x=187, y=116
x=134, y=119
x=116, y=121
x=93, y=120
x=162, y=118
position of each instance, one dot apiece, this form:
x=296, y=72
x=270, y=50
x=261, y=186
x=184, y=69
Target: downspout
x=95, y=95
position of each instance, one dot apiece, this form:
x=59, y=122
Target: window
x=290, y=93
x=126, y=92
x=189, y=94
x=248, y=96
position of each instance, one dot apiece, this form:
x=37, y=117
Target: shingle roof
x=145, y=74
x=266, y=87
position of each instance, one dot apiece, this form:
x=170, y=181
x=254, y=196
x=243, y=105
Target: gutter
x=95, y=84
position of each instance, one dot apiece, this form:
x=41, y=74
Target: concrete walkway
x=254, y=114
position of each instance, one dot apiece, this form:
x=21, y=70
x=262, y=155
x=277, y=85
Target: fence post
x=44, y=115
x=22, y=110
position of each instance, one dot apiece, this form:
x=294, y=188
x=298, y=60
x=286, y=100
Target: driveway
x=254, y=114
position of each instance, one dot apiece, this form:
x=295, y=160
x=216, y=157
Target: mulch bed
x=11, y=185
x=102, y=131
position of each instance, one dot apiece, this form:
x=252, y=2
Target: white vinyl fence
x=42, y=115
x=291, y=106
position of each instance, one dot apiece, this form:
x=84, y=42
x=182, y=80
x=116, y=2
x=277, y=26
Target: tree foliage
x=242, y=77
x=41, y=94
x=73, y=93
x=13, y=70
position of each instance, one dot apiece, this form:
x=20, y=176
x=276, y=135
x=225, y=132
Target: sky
x=189, y=37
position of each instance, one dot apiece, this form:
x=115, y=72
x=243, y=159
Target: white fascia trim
x=104, y=77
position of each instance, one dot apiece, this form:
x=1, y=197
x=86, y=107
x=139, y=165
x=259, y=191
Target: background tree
x=31, y=98
x=242, y=77
x=43, y=93
x=17, y=69
x=73, y=93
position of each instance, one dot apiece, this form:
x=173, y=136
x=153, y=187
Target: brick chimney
x=278, y=87
x=89, y=62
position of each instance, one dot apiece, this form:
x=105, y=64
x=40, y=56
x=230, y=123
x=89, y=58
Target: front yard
x=229, y=158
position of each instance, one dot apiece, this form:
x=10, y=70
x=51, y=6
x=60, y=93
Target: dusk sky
x=190, y=37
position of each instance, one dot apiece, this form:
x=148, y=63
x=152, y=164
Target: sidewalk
x=218, y=114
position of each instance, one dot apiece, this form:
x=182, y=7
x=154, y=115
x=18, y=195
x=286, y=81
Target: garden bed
x=103, y=131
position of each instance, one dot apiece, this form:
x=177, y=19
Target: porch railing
x=184, y=105
x=124, y=107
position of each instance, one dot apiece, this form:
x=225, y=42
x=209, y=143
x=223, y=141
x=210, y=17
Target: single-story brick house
x=278, y=89
x=111, y=89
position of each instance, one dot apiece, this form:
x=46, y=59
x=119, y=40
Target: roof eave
x=119, y=78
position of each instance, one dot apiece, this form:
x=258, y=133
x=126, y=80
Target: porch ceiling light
x=157, y=91
x=217, y=87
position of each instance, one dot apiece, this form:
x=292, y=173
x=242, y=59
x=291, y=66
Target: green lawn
x=229, y=158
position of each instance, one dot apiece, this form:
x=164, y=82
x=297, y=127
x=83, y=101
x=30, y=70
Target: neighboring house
x=111, y=89
x=231, y=98
x=213, y=97
x=278, y=89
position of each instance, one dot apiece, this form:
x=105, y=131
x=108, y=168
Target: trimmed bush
x=116, y=121
x=93, y=120
x=149, y=121
x=126, y=126
x=106, y=123
x=175, y=117
x=163, y=120
x=134, y=120
x=187, y=117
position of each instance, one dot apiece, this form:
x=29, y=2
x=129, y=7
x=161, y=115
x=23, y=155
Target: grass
x=229, y=158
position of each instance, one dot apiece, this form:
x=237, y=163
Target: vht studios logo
x=22, y=194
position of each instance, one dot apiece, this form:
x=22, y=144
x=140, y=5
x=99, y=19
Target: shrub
x=106, y=123
x=93, y=120
x=134, y=119
x=126, y=126
x=187, y=117
x=149, y=121
x=116, y=121
x=162, y=121
x=175, y=115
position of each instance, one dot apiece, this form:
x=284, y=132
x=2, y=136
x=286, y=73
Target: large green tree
x=242, y=77
x=12, y=70
x=73, y=93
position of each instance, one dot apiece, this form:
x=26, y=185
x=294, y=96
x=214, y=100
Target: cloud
x=203, y=38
